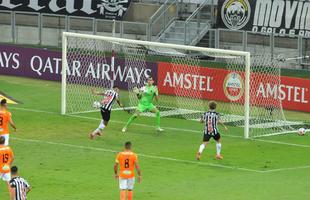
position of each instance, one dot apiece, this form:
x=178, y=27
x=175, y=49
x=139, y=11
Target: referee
x=19, y=186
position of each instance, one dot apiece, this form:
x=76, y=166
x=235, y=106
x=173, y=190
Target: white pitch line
x=168, y=128
x=283, y=143
x=287, y=169
x=141, y=155
x=34, y=110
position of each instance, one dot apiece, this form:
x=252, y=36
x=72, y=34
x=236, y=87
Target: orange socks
x=129, y=194
x=123, y=195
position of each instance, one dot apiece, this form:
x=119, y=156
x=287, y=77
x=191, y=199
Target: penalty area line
x=141, y=155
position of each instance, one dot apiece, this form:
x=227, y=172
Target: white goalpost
x=187, y=77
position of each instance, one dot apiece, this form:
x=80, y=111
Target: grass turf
x=61, y=163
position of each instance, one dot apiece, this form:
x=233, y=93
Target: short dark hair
x=2, y=140
x=212, y=105
x=128, y=145
x=149, y=77
x=3, y=102
x=14, y=170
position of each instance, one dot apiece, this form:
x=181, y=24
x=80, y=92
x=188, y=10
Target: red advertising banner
x=293, y=92
x=196, y=82
x=226, y=86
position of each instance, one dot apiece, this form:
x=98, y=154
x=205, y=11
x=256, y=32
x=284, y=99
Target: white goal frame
x=246, y=55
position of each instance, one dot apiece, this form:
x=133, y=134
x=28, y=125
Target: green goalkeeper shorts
x=145, y=108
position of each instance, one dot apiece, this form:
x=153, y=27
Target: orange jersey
x=6, y=158
x=5, y=117
x=126, y=161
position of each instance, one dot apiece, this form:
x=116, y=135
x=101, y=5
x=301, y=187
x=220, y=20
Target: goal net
x=188, y=78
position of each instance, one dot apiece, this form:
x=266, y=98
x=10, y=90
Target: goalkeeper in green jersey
x=146, y=95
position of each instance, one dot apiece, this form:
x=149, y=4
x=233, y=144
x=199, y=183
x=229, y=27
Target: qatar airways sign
x=46, y=64
x=104, y=71
x=227, y=86
x=105, y=9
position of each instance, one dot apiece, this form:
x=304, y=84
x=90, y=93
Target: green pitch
x=55, y=155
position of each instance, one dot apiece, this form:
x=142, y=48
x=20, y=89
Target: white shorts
x=126, y=183
x=5, y=176
x=7, y=137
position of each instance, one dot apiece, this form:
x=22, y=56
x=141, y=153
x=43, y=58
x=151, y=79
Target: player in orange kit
x=126, y=161
x=5, y=120
x=6, y=159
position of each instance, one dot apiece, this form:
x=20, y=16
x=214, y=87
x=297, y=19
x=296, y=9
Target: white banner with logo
x=266, y=16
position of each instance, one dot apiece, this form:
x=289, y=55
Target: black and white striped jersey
x=109, y=98
x=21, y=187
x=211, y=119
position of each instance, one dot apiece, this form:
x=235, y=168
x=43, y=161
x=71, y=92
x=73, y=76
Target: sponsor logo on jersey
x=127, y=172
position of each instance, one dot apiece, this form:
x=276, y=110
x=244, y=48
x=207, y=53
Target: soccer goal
x=187, y=78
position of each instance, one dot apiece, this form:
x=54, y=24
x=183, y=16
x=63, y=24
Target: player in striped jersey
x=19, y=186
x=109, y=97
x=211, y=118
x=126, y=162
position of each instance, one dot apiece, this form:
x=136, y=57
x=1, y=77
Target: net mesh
x=187, y=81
